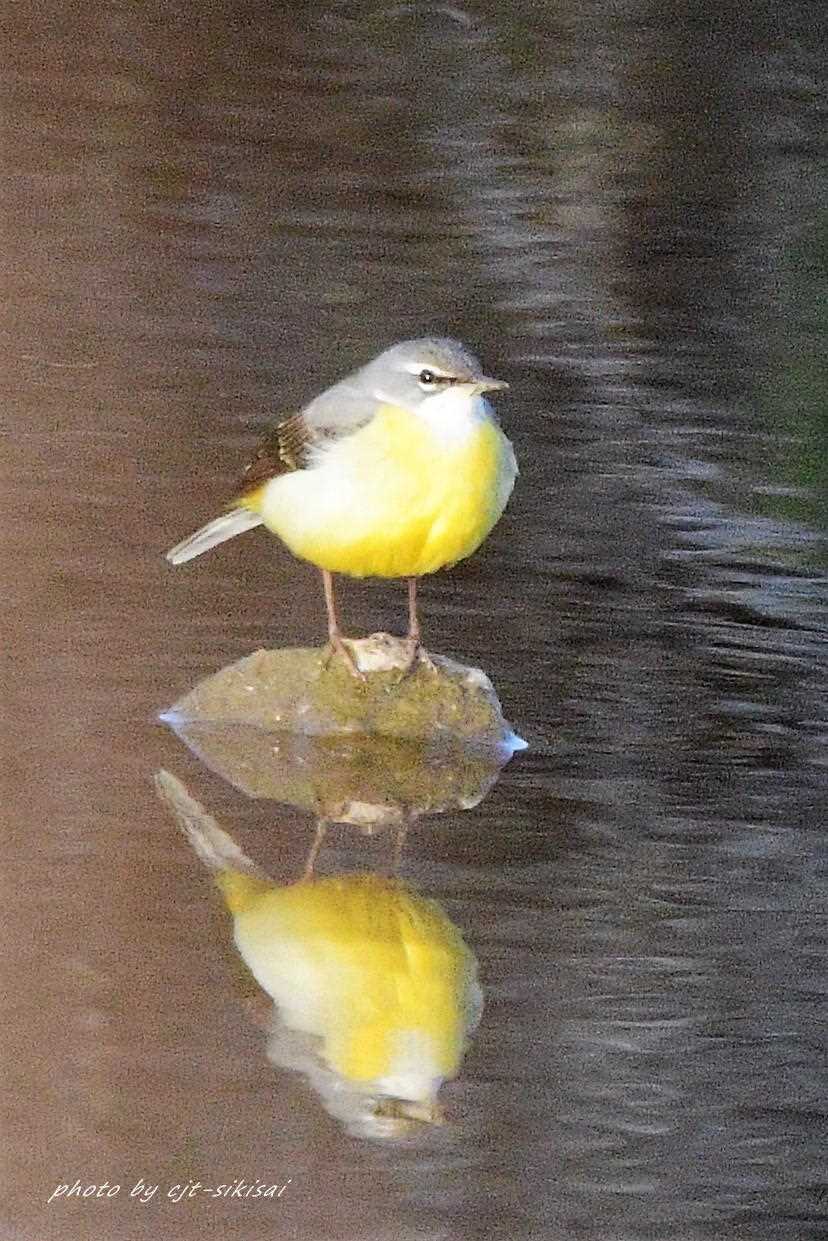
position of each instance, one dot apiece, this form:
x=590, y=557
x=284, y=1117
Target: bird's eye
x=427, y=378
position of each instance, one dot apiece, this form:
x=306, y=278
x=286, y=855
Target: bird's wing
x=288, y=445
x=284, y=448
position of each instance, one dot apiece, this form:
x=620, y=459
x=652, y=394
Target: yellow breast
x=399, y=498
x=379, y=974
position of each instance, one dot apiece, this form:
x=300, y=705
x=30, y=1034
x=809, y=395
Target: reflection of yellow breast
x=378, y=973
x=403, y=496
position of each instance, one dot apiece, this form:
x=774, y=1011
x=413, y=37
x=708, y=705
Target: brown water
x=209, y=214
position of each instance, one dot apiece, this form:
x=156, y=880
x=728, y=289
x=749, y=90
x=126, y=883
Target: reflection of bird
x=396, y=471
x=375, y=990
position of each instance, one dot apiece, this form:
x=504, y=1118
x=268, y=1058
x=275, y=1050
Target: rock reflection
x=371, y=783
x=374, y=991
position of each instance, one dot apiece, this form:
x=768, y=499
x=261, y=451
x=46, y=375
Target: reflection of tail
x=216, y=531
x=215, y=848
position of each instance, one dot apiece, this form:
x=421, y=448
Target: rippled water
x=212, y=212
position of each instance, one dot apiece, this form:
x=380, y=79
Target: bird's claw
x=338, y=646
x=416, y=657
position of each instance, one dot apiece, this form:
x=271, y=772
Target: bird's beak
x=487, y=384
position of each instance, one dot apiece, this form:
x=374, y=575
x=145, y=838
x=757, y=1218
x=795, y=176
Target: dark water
x=210, y=212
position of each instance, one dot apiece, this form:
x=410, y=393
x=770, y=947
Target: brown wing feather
x=284, y=448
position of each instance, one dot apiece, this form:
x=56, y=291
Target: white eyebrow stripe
x=414, y=368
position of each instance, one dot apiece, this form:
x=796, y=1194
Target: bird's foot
x=416, y=657
x=338, y=646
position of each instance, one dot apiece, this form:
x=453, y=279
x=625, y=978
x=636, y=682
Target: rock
x=297, y=691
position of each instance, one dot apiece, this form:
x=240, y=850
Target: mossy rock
x=299, y=690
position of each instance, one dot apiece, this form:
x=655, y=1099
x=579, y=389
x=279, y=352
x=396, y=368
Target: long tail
x=216, y=531
x=215, y=848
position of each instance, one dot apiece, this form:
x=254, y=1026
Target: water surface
x=210, y=213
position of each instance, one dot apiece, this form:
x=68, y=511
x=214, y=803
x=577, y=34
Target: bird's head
x=415, y=372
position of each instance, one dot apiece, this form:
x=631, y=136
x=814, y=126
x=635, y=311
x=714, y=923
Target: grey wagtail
x=396, y=471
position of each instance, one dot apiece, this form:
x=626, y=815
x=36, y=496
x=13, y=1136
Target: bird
x=396, y=471
x=375, y=993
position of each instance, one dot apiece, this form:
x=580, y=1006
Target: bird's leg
x=399, y=841
x=413, y=618
x=415, y=652
x=316, y=845
x=335, y=640
x=413, y=638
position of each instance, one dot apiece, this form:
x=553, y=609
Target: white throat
x=454, y=415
